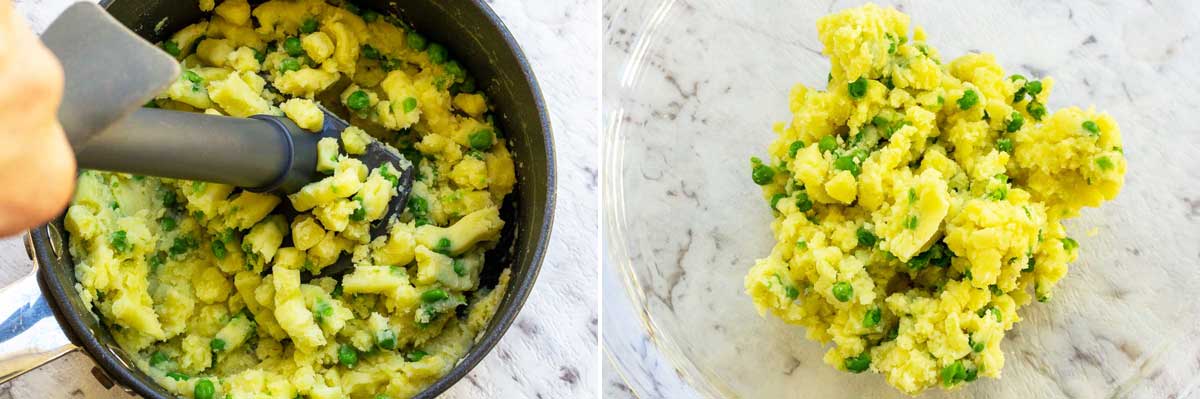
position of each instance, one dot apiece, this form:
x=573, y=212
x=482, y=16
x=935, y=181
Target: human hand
x=37, y=165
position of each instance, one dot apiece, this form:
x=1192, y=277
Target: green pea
x=762, y=174
x=972, y=375
x=359, y=213
x=453, y=68
x=794, y=148
x=481, y=140
x=443, y=245
x=309, y=25
x=857, y=88
x=791, y=292
x=204, y=389
x=858, y=363
x=386, y=339
x=1034, y=87
x=322, y=310
x=775, y=199
x=158, y=358
x=803, y=203
x=416, y=355
x=1015, y=121
x=416, y=41
x=167, y=223
x=171, y=47
x=1104, y=163
x=865, y=237
x=290, y=64
x=434, y=295
x=1005, y=145
x=217, y=344
x=438, y=53
x=410, y=104
x=119, y=241
x=846, y=162
x=358, y=100
x=843, y=291
x=827, y=143
x=872, y=317
x=968, y=99
x=370, y=52
x=460, y=267
x=347, y=356
x=177, y=376
x=218, y=249
x=1091, y=127
x=1036, y=110
x=292, y=46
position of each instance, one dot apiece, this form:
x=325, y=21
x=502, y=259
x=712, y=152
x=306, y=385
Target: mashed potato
x=919, y=204
x=200, y=282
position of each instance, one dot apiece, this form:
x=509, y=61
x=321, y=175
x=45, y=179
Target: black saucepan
x=42, y=316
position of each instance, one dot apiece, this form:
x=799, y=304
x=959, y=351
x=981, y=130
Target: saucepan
x=42, y=316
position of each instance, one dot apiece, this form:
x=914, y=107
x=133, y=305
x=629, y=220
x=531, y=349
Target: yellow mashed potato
x=919, y=204
x=200, y=282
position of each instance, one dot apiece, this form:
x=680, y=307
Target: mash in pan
x=919, y=203
x=200, y=282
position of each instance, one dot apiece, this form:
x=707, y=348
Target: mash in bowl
x=919, y=203
x=201, y=282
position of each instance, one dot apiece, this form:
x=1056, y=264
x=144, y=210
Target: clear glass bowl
x=691, y=91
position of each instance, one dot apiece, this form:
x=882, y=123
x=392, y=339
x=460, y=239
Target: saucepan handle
x=29, y=334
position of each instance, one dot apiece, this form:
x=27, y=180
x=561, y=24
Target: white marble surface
x=551, y=350
x=709, y=78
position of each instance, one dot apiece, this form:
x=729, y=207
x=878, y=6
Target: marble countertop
x=551, y=349
x=715, y=73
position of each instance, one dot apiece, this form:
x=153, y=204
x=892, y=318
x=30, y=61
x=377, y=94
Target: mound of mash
x=200, y=282
x=919, y=203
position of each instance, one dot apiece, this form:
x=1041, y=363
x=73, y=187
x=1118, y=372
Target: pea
x=794, y=148
x=846, y=162
x=762, y=174
x=347, y=356
x=1034, y=87
x=167, y=223
x=370, y=52
x=453, y=68
x=171, y=47
x=1036, y=110
x=217, y=344
x=791, y=292
x=775, y=199
x=803, y=203
x=119, y=241
x=292, y=46
x=416, y=41
x=1015, y=121
x=177, y=376
x=443, y=245
x=1069, y=243
x=858, y=363
x=204, y=389
x=1091, y=127
x=410, y=104
x=827, y=143
x=857, y=88
x=359, y=213
x=972, y=375
x=358, y=100
x=158, y=358
x=872, y=317
x=865, y=237
x=843, y=291
x=386, y=339
x=968, y=99
x=438, y=53
x=460, y=267
x=1104, y=163
x=975, y=346
x=434, y=295
x=290, y=64
x=416, y=355
x=309, y=25
x=1005, y=145
x=218, y=249
x=481, y=140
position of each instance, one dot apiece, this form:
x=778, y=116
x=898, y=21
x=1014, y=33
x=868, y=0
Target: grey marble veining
x=551, y=351
x=691, y=88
